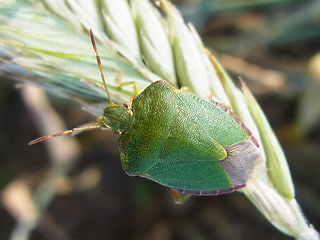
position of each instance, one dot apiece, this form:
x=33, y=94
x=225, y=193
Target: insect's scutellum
x=100, y=67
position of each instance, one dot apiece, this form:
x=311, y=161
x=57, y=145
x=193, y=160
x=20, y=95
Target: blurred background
x=273, y=45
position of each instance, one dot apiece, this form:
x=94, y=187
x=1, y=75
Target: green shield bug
x=179, y=140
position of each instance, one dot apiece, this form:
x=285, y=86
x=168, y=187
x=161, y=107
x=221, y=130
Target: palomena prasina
x=182, y=141
x=179, y=140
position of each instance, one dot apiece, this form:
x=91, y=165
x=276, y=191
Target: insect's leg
x=179, y=198
x=185, y=90
x=211, y=96
x=122, y=83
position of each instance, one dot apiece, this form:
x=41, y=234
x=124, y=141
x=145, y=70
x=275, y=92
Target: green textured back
x=178, y=140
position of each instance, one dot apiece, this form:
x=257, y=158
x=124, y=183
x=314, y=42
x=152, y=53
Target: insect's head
x=115, y=117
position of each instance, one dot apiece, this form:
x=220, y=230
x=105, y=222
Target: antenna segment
x=100, y=67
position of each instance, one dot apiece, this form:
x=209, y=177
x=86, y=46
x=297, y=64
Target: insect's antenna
x=66, y=132
x=100, y=66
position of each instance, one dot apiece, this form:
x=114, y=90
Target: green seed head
x=115, y=117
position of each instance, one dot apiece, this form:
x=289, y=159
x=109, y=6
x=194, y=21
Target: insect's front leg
x=122, y=83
